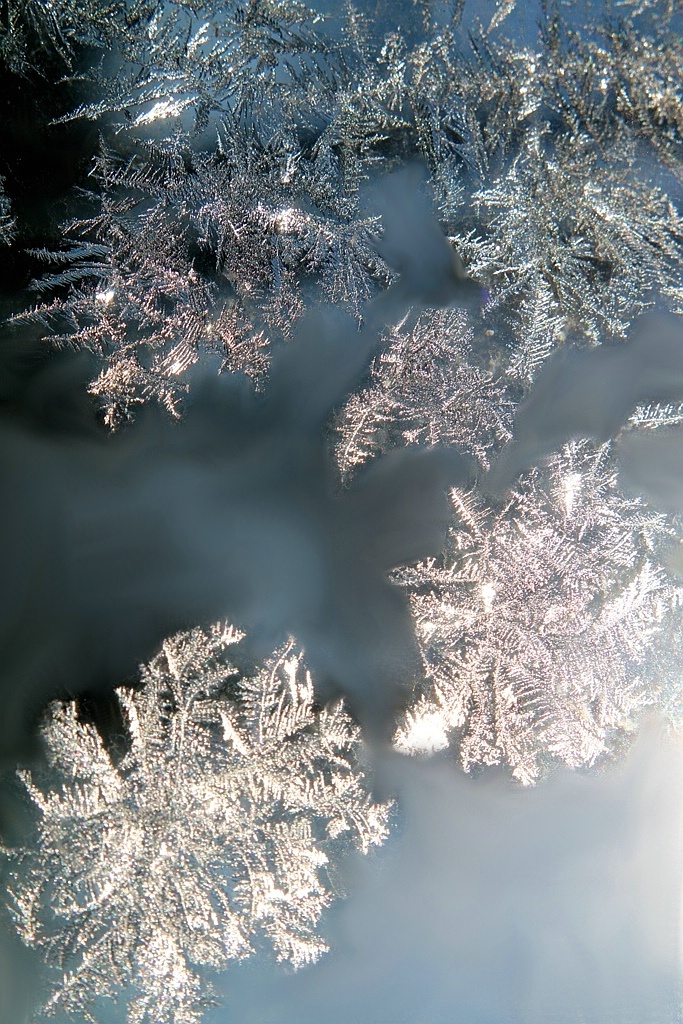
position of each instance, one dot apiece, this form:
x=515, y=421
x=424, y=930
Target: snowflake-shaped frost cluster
x=428, y=386
x=540, y=626
x=200, y=833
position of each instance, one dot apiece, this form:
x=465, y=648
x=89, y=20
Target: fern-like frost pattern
x=200, y=836
x=543, y=627
x=228, y=197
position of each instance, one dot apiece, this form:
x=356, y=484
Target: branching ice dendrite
x=425, y=389
x=539, y=628
x=7, y=221
x=208, y=828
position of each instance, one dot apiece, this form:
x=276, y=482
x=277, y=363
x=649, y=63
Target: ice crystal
x=192, y=254
x=239, y=143
x=539, y=626
x=599, y=238
x=187, y=841
x=7, y=221
x=259, y=60
x=213, y=245
x=140, y=288
x=31, y=31
x=425, y=389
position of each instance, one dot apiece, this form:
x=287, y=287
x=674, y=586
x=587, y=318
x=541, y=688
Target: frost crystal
x=228, y=196
x=188, y=255
x=425, y=389
x=540, y=626
x=7, y=222
x=201, y=832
